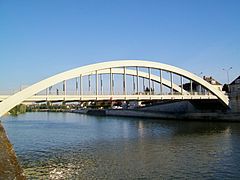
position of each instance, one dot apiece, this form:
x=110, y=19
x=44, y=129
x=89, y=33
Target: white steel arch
x=130, y=72
x=19, y=97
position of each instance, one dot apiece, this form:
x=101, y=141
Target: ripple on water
x=72, y=146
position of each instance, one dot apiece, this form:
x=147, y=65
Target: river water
x=75, y=146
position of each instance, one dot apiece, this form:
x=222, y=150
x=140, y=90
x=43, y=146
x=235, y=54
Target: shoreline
x=10, y=167
x=184, y=116
x=208, y=116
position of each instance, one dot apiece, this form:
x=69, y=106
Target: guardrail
x=41, y=98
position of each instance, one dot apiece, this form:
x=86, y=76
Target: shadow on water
x=182, y=127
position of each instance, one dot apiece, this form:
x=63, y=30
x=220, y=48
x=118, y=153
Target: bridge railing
x=61, y=93
x=87, y=93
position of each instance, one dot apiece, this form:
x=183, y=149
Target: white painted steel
x=92, y=97
x=19, y=97
x=130, y=72
x=140, y=74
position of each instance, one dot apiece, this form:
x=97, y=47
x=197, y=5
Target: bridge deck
x=41, y=98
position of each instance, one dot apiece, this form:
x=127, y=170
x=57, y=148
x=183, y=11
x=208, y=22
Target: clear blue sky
x=41, y=38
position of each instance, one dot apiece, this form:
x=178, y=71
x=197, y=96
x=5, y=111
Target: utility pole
x=227, y=71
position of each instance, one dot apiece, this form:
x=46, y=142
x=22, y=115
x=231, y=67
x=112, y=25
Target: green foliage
x=63, y=106
x=48, y=106
x=19, y=109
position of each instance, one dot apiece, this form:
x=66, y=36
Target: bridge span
x=117, y=80
x=74, y=98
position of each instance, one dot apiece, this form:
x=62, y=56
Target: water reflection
x=73, y=146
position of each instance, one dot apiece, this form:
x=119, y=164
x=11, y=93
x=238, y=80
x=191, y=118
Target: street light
x=200, y=74
x=227, y=71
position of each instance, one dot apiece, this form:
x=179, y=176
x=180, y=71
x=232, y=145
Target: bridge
x=117, y=80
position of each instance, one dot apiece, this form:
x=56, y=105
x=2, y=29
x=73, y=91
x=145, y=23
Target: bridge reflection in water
x=73, y=146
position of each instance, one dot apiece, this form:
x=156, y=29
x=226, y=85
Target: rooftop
x=211, y=80
x=236, y=81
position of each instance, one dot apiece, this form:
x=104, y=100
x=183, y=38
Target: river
x=75, y=146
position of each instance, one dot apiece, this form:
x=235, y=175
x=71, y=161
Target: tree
x=226, y=88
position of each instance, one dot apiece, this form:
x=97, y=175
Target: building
x=214, y=82
x=234, y=95
x=235, y=86
x=196, y=88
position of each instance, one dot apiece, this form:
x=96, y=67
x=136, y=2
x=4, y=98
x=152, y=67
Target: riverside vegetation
x=22, y=108
x=19, y=109
x=58, y=107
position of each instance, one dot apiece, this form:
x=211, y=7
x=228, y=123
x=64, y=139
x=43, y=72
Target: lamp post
x=200, y=74
x=227, y=71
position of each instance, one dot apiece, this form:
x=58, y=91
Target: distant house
x=234, y=95
x=197, y=88
x=235, y=86
x=213, y=82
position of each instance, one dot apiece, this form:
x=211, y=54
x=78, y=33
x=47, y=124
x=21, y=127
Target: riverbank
x=210, y=116
x=9, y=166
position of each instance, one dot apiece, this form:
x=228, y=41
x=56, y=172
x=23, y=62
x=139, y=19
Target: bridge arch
x=19, y=97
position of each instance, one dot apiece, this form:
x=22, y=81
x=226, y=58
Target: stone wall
x=9, y=166
x=176, y=107
x=235, y=103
